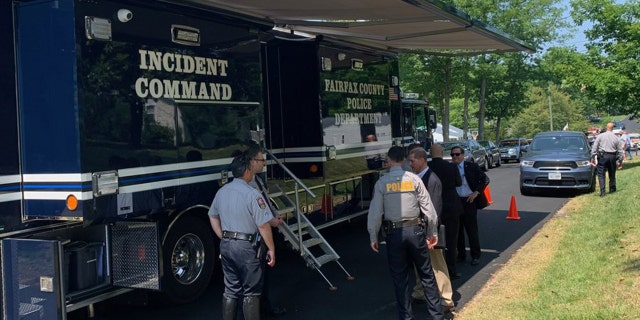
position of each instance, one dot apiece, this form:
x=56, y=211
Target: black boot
x=251, y=308
x=229, y=308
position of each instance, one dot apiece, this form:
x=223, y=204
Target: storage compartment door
x=32, y=282
x=135, y=255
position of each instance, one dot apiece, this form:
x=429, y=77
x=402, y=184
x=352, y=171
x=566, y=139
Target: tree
x=502, y=80
x=613, y=79
x=537, y=116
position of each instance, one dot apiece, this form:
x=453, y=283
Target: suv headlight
x=527, y=163
x=583, y=163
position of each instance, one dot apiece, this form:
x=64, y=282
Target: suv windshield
x=558, y=144
x=484, y=143
x=449, y=145
x=509, y=143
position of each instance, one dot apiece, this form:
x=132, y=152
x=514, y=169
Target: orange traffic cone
x=513, y=210
x=487, y=194
x=327, y=205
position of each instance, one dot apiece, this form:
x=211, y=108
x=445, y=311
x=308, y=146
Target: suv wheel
x=525, y=191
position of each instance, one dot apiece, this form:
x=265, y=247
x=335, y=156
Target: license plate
x=555, y=176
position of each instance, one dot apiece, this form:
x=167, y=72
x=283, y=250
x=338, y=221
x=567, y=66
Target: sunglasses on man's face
x=455, y=154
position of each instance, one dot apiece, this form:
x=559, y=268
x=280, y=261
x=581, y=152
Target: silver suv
x=512, y=149
x=557, y=160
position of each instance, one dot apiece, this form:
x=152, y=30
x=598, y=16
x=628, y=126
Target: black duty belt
x=237, y=235
x=401, y=224
x=610, y=153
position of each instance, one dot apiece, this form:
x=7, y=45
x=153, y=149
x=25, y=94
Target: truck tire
x=189, y=259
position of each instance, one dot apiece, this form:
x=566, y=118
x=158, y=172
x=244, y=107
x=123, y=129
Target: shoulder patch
x=261, y=203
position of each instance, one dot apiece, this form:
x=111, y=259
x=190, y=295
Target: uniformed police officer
x=608, y=149
x=239, y=211
x=402, y=198
x=257, y=163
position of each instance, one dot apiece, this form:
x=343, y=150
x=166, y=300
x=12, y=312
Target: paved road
x=370, y=296
x=631, y=125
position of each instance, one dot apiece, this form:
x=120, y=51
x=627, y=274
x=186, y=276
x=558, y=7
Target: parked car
x=557, y=160
x=493, y=153
x=594, y=119
x=512, y=149
x=473, y=152
x=635, y=141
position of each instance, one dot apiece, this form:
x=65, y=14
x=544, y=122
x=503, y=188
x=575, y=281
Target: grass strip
x=584, y=263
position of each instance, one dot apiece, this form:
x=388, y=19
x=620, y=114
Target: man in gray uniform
x=608, y=149
x=257, y=163
x=402, y=198
x=237, y=213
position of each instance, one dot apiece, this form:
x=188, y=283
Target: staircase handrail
x=295, y=178
x=298, y=183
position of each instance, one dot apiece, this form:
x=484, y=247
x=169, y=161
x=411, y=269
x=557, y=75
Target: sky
x=577, y=39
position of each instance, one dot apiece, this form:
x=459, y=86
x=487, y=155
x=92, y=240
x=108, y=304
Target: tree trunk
x=465, y=113
x=498, y=123
x=445, y=117
x=447, y=95
x=482, y=109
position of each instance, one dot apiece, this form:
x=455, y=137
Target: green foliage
x=613, y=77
x=537, y=116
x=603, y=81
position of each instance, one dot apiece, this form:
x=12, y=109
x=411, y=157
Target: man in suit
x=470, y=194
x=451, y=206
x=418, y=163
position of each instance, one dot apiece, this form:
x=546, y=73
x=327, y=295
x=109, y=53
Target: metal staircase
x=301, y=234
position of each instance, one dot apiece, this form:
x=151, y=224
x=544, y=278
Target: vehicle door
x=476, y=150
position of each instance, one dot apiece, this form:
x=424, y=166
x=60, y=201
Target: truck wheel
x=189, y=258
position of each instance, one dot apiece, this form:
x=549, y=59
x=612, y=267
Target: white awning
x=426, y=26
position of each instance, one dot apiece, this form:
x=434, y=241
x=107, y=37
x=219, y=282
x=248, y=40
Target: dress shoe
x=602, y=194
x=461, y=259
x=454, y=276
x=449, y=312
x=475, y=261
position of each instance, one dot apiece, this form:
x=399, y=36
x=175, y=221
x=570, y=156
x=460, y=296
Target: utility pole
x=550, y=112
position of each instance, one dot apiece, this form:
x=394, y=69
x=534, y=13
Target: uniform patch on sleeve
x=261, y=203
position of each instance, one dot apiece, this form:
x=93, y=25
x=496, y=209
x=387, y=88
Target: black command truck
x=118, y=123
x=118, y=120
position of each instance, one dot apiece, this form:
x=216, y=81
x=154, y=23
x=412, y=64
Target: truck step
x=325, y=258
x=312, y=242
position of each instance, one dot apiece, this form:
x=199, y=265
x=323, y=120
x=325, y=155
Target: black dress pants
x=407, y=247
x=607, y=162
x=468, y=223
x=451, y=226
